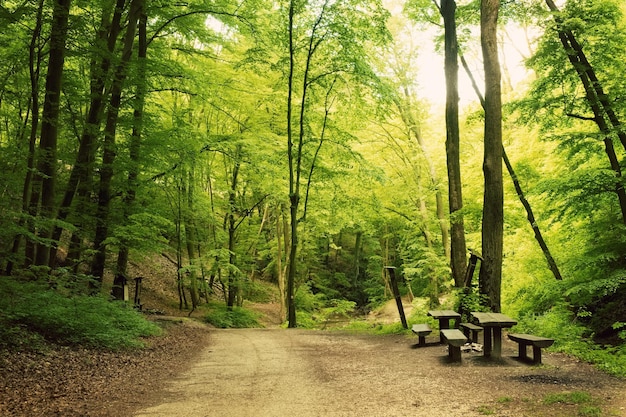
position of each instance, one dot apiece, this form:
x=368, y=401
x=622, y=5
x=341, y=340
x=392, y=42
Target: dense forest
x=293, y=142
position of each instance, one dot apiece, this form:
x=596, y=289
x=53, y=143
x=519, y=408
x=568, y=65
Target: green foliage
x=573, y=337
x=31, y=312
x=220, y=316
x=468, y=300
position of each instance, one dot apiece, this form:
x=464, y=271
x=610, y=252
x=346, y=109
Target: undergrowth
x=33, y=313
x=219, y=315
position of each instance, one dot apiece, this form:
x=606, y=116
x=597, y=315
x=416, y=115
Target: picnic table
x=493, y=323
x=444, y=317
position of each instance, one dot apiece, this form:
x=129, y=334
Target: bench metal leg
x=422, y=341
x=536, y=354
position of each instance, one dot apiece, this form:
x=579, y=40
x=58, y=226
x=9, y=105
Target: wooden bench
x=421, y=330
x=455, y=339
x=537, y=342
x=473, y=328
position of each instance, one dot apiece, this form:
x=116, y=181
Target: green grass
x=575, y=397
x=32, y=314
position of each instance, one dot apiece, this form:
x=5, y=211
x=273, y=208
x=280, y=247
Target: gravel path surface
x=276, y=372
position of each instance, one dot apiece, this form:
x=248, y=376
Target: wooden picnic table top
x=444, y=314
x=493, y=319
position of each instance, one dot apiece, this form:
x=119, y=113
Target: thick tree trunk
x=80, y=183
x=294, y=198
x=493, y=212
x=530, y=215
x=47, y=166
x=458, y=249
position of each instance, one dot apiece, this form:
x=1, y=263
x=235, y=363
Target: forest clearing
x=236, y=165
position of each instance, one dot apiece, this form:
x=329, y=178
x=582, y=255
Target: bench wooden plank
x=421, y=330
x=455, y=339
x=473, y=328
x=537, y=342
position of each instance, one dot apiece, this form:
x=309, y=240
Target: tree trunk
x=293, y=180
x=531, y=219
x=597, y=100
x=109, y=151
x=232, y=279
x=458, y=256
x=47, y=166
x=80, y=183
x=135, y=139
x=281, y=233
x=406, y=112
x=583, y=67
x=34, y=66
x=357, y=257
x=530, y=215
x=493, y=212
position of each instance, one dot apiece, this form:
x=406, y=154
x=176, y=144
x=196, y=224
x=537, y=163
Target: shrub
x=220, y=316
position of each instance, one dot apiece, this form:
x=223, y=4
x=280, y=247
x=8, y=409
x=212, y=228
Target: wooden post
x=396, y=293
x=138, y=292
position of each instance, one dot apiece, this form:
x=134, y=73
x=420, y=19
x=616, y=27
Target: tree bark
x=135, y=139
x=458, y=249
x=490, y=277
x=233, y=281
x=80, y=183
x=34, y=67
x=47, y=166
x=583, y=67
x=530, y=215
x=109, y=151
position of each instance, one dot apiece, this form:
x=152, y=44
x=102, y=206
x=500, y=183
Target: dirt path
x=274, y=372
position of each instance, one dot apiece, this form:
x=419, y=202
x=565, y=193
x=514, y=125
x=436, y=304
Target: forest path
x=277, y=372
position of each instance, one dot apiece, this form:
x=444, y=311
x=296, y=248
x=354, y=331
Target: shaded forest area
x=290, y=142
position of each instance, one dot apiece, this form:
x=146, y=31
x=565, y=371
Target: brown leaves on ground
x=89, y=383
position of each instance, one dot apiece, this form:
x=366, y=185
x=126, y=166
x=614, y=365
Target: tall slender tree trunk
x=587, y=74
x=34, y=66
x=406, y=112
x=597, y=100
x=47, y=166
x=135, y=139
x=490, y=278
x=458, y=255
x=233, y=280
x=109, y=151
x=294, y=188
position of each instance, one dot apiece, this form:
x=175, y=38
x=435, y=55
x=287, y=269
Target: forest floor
x=195, y=370
x=198, y=371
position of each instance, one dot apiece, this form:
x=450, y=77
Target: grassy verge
x=33, y=314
